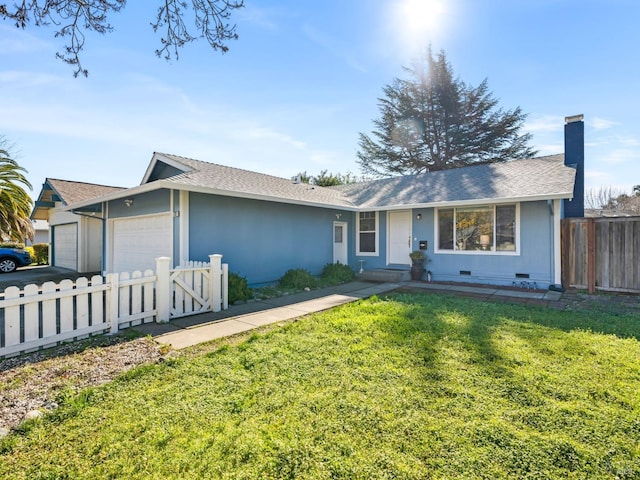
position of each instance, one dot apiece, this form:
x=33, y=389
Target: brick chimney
x=574, y=157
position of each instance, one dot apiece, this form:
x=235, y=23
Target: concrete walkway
x=188, y=331
x=185, y=332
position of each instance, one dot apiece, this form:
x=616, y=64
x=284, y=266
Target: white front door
x=399, y=237
x=340, y=243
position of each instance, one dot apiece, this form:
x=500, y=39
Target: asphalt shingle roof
x=533, y=178
x=236, y=180
x=74, y=192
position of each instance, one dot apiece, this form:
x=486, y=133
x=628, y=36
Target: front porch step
x=385, y=275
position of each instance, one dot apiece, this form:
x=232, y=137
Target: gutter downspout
x=557, y=251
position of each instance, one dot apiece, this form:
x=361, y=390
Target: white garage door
x=65, y=246
x=138, y=241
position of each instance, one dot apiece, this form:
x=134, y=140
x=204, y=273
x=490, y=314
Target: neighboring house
x=623, y=206
x=492, y=223
x=40, y=232
x=75, y=239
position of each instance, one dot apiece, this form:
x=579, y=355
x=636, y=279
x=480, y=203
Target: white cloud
x=263, y=17
x=628, y=141
x=23, y=79
x=544, y=124
x=620, y=155
x=17, y=41
x=255, y=132
x=327, y=42
x=549, y=148
x=602, y=124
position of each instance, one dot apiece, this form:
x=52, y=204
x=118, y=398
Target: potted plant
x=418, y=259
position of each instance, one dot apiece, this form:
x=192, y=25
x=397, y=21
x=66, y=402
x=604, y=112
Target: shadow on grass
x=436, y=326
x=620, y=322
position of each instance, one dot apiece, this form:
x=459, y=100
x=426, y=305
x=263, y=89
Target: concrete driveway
x=38, y=274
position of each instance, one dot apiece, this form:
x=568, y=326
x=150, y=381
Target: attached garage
x=65, y=245
x=138, y=241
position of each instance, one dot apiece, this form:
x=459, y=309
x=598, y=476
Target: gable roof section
x=164, y=166
x=73, y=192
x=68, y=193
x=245, y=183
x=515, y=180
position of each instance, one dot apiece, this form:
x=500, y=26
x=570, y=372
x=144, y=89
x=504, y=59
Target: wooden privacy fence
x=38, y=317
x=601, y=254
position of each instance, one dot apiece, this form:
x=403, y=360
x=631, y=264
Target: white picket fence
x=37, y=317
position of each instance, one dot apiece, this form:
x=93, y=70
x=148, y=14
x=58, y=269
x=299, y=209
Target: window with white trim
x=367, y=234
x=477, y=229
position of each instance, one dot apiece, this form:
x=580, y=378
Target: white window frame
x=377, y=236
x=476, y=252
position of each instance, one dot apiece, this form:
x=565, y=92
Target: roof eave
x=256, y=196
x=160, y=184
x=479, y=201
x=127, y=192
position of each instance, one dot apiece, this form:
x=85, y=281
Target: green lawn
x=407, y=387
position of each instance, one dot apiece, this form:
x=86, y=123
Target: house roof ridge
x=246, y=170
x=442, y=171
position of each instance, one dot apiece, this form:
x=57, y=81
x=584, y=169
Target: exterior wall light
x=418, y=216
x=128, y=202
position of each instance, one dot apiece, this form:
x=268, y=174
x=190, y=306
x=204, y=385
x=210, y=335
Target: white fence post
x=215, y=284
x=163, y=289
x=112, y=301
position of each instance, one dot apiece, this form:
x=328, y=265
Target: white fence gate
x=38, y=317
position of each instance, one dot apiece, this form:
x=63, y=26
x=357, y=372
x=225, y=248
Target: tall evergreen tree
x=434, y=121
x=15, y=203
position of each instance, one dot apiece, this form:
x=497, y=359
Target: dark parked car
x=12, y=258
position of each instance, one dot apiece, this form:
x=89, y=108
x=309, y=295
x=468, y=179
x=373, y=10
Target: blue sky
x=303, y=80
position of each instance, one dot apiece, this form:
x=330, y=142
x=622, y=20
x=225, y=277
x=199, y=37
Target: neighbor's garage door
x=138, y=241
x=65, y=246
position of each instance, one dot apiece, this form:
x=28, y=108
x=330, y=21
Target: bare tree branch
x=75, y=17
x=210, y=19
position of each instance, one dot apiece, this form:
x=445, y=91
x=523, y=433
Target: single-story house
x=493, y=223
x=75, y=238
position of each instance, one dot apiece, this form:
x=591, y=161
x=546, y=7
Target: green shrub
x=238, y=288
x=31, y=253
x=297, y=279
x=40, y=253
x=11, y=245
x=336, y=273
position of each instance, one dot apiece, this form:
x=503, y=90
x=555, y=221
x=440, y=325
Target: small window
x=367, y=233
x=445, y=227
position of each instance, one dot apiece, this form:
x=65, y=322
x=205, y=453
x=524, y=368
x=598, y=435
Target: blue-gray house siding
x=261, y=240
x=156, y=201
x=533, y=263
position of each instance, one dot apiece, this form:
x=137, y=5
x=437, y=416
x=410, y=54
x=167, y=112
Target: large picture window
x=367, y=236
x=490, y=228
